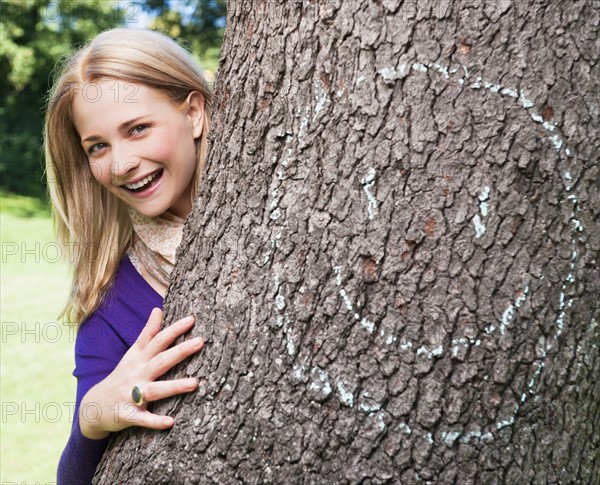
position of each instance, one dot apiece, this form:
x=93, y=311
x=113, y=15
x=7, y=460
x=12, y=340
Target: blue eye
x=139, y=129
x=94, y=148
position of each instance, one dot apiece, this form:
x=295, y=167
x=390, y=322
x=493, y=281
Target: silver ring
x=137, y=395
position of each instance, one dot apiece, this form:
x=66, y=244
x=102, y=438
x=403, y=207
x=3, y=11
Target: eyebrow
x=122, y=127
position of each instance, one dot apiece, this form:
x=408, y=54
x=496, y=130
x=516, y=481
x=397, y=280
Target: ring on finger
x=137, y=395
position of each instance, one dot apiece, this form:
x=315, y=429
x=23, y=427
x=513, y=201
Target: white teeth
x=142, y=182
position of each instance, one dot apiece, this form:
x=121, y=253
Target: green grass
x=22, y=206
x=36, y=387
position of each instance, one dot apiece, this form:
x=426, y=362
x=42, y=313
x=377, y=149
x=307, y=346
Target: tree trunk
x=394, y=256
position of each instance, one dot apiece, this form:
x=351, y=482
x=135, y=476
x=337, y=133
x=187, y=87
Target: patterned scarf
x=155, y=242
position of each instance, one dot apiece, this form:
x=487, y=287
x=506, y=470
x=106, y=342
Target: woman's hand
x=108, y=406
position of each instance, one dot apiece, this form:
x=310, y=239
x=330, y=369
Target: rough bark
x=394, y=255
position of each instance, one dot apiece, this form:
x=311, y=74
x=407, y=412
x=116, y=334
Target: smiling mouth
x=147, y=183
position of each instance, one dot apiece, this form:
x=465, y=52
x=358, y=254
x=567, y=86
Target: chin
x=149, y=212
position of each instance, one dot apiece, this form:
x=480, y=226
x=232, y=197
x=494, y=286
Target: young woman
x=126, y=139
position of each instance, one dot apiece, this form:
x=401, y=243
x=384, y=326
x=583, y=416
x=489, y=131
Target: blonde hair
x=91, y=224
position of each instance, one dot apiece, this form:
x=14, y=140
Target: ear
x=195, y=112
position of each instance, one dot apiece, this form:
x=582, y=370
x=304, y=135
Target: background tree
x=394, y=254
x=200, y=22
x=35, y=35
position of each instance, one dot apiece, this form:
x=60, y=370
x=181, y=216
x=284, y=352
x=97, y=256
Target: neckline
x=139, y=276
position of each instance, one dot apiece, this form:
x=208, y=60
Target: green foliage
x=200, y=22
x=22, y=205
x=36, y=34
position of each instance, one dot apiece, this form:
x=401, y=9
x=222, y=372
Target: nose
x=122, y=164
x=119, y=169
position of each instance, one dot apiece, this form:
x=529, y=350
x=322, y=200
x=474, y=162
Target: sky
x=135, y=16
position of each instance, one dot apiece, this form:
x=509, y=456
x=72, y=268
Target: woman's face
x=133, y=134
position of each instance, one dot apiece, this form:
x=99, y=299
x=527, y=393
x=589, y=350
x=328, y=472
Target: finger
x=170, y=357
x=168, y=335
x=151, y=328
x=146, y=419
x=155, y=391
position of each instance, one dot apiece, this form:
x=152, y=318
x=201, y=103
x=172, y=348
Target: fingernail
x=187, y=320
x=197, y=341
x=168, y=421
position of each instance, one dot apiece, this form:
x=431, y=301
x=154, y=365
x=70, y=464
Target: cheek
x=100, y=171
x=172, y=147
x=162, y=147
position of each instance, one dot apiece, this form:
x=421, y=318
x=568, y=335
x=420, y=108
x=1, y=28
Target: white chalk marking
x=368, y=181
x=368, y=325
x=479, y=227
x=417, y=66
x=508, y=314
x=346, y=396
x=478, y=224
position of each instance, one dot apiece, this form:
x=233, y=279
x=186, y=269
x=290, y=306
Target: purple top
x=102, y=341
